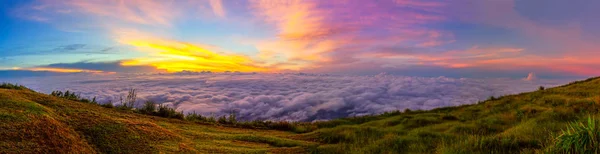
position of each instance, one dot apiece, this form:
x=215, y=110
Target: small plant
x=520, y=115
x=541, y=88
x=579, y=137
x=131, y=98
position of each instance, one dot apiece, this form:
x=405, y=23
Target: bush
x=196, y=117
x=108, y=105
x=579, y=137
x=72, y=96
x=149, y=108
x=222, y=120
x=167, y=112
x=13, y=86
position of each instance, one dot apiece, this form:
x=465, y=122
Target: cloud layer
x=296, y=97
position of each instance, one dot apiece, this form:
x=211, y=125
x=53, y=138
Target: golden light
x=176, y=56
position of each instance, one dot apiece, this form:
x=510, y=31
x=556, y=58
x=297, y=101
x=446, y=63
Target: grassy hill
x=31, y=122
x=555, y=120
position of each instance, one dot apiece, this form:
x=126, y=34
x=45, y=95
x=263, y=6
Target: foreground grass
x=556, y=120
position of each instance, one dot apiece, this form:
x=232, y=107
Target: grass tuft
x=579, y=137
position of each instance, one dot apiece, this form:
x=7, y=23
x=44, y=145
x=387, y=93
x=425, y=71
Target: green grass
x=579, y=137
x=553, y=120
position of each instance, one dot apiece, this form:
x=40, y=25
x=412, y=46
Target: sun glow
x=177, y=57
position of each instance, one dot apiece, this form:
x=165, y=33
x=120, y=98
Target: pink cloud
x=217, y=7
x=311, y=31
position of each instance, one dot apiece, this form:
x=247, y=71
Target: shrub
x=72, y=96
x=222, y=120
x=449, y=117
x=232, y=119
x=108, y=105
x=579, y=137
x=167, y=112
x=13, y=86
x=149, y=108
x=196, y=117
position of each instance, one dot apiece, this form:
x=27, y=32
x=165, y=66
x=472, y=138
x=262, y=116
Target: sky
x=425, y=38
x=298, y=60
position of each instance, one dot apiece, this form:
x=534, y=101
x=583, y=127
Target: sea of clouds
x=294, y=97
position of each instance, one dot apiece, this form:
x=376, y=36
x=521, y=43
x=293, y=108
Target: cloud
x=298, y=97
x=175, y=56
x=70, y=47
x=114, y=66
x=530, y=77
x=135, y=11
x=309, y=33
x=217, y=7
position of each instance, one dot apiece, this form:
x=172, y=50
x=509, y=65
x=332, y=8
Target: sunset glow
x=340, y=37
x=176, y=57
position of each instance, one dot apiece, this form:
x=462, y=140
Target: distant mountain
x=554, y=120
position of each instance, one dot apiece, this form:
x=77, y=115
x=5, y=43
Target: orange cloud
x=298, y=23
x=309, y=33
x=177, y=56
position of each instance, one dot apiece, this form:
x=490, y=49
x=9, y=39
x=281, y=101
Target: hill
x=31, y=122
x=554, y=120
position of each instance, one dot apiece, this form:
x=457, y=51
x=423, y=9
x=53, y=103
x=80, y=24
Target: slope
x=555, y=120
x=31, y=122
